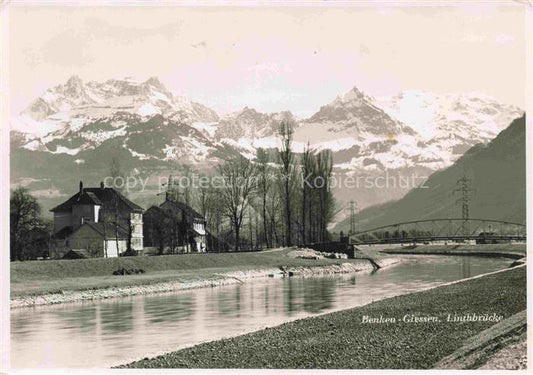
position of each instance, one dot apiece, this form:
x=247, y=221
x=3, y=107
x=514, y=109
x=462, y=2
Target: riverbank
x=53, y=282
x=485, y=349
x=411, y=331
x=511, y=251
x=37, y=283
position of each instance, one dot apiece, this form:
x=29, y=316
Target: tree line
x=278, y=198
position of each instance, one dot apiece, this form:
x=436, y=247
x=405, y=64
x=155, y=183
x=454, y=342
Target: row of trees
x=280, y=198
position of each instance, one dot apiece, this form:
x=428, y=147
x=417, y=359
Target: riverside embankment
x=114, y=331
x=53, y=282
x=417, y=330
x=38, y=283
x=511, y=251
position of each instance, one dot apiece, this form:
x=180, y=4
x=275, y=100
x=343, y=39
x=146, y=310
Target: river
x=110, y=332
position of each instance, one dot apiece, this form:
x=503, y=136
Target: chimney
x=102, y=186
x=81, y=187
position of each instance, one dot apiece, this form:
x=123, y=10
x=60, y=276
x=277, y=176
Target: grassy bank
x=513, y=251
x=341, y=340
x=54, y=276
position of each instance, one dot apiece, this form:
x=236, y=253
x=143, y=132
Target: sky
x=271, y=59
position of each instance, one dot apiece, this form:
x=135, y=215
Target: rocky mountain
x=75, y=129
x=449, y=124
x=374, y=143
x=498, y=176
x=435, y=116
x=147, y=149
x=410, y=129
x=250, y=124
x=73, y=104
x=146, y=138
x=247, y=129
x=355, y=113
x=80, y=126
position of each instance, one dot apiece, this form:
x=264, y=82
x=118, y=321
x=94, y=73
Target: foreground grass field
x=52, y=276
x=341, y=340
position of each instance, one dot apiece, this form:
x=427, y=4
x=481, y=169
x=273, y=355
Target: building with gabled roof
x=99, y=220
x=175, y=225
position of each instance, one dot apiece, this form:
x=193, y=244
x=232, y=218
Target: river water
x=116, y=331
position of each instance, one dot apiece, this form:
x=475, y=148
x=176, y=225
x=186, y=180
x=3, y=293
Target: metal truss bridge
x=453, y=230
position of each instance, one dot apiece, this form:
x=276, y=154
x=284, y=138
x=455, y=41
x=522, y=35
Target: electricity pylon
x=464, y=200
x=353, y=207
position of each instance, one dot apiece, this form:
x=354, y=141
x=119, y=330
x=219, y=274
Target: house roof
x=98, y=196
x=63, y=233
x=183, y=207
x=157, y=210
x=98, y=228
x=88, y=198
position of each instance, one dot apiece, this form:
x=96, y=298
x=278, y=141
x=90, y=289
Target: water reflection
x=22, y=325
x=105, y=333
x=229, y=302
x=167, y=308
x=310, y=295
x=116, y=316
x=82, y=320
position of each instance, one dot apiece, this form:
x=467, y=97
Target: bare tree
x=204, y=200
x=307, y=167
x=250, y=225
x=185, y=187
x=239, y=177
x=263, y=176
x=274, y=206
x=286, y=159
x=324, y=172
x=116, y=222
x=157, y=228
x=116, y=171
x=104, y=218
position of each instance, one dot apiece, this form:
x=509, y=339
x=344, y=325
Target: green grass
x=340, y=340
x=510, y=250
x=41, y=277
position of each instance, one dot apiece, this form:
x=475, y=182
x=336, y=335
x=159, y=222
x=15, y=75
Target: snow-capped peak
x=353, y=95
x=155, y=82
x=250, y=124
x=78, y=100
x=472, y=115
x=355, y=114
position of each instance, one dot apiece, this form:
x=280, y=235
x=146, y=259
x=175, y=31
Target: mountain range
x=497, y=174
x=79, y=127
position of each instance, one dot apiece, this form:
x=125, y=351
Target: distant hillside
x=498, y=176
